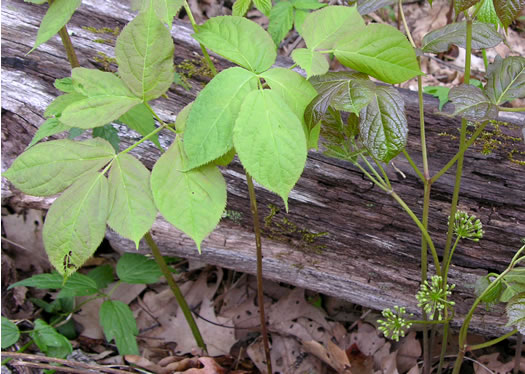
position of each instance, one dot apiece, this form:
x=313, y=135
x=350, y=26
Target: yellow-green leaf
x=144, y=53
x=49, y=168
x=239, y=40
x=58, y=14
x=381, y=51
x=193, y=200
x=132, y=210
x=76, y=223
x=209, y=127
x=270, y=142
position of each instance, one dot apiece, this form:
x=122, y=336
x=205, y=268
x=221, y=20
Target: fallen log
x=342, y=236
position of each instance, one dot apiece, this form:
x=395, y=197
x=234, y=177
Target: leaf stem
x=405, y=25
x=207, y=57
x=506, y=109
x=447, y=266
x=466, y=323
x=491, y=342
x=68, y=45
x=260, y=291
x=421, y=227
x=176, y=291
x=414, y=166
x=156, y=131
x=461, y=152
x=459, y=165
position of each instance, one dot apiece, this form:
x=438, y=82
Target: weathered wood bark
x=367, y=249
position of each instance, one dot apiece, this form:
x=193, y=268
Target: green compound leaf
x=492, y=297
x=296, y=91
x=192, y=201
x=49, y=168
x=117, y=321
x=281, y=21
x=240, y=7
x=135, y=268
x=511, y=290
x=102, y=275
x=440, y=92
x=144, y=53
x=45, y=281
x=346, y=91
x=308, y=4
x=516, y=312
x=58, y=14
x=76, y=223
x=461, y=5
x=323, y=28
x=182, y=117
x=209, y=127
x=132, y=210
x=506, y=79
x=381, y=51
x=369, y=6
x=64, y=84
x=440, y=40
x=109, y=133
x=487, y=13
x=383, y=125
x=140, y=119
x=270, y=142
x=164, y=9
x=264, y=6
x=107, y=98
x=314, y=63
x=49, y=341
x=10, y=333
x=471, y=103
x=58, y=105
x=239, y=40
x=51, y=126
x=508, y=10
x=78, y=285
x=300, y=16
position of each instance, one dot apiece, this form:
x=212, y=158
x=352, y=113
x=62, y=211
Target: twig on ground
x=25, y=359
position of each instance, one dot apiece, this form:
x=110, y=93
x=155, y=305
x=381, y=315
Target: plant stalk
x=447, y=254
x=421, y=227
x=68, y=45
x=505, y=109
x=461, y=152
x=517, y=355
x=207, y=57
x=466, y=323
x=260, y=291
x=491, y=342
x=176, y=291
x=425, y=177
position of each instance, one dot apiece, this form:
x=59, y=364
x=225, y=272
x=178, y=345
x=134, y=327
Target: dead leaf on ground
x=408, y=352
x=492, y=363
x=330, y=354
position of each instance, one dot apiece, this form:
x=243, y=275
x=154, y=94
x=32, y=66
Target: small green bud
x=432, y=297
x=395, y=325
x=467, y=226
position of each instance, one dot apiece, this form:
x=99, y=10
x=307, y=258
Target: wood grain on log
x=342, y=236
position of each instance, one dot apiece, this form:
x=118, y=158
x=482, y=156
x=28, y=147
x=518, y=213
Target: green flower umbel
x=467, y=226
x=433, y=297
x=395, y=325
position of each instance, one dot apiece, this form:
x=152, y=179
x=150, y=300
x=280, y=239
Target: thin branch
x=71, y=366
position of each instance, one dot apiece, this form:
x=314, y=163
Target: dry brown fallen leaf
x=495, y=366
